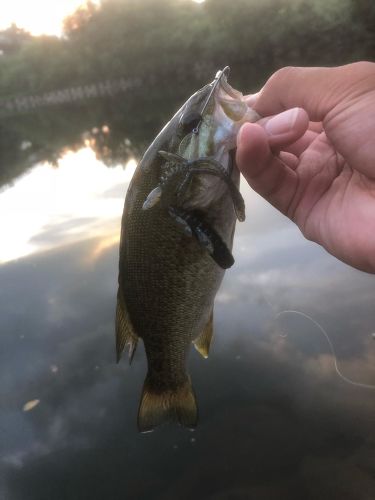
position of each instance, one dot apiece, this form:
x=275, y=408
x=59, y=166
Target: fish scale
x=168, y=274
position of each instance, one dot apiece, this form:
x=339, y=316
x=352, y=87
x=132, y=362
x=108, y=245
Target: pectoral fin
x=125, y=334
x=203, y=342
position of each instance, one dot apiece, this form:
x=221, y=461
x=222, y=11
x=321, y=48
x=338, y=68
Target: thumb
x=265, y=172
x=285, y=128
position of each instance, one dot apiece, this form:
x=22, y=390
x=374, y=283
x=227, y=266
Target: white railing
x=26, y=104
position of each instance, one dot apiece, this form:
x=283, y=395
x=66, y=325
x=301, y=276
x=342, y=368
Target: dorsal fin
x=203, y=341
x=125, y=334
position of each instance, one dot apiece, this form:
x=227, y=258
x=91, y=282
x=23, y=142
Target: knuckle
x=364, y=67
x=283, y=74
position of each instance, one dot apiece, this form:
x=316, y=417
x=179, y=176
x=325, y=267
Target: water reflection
x=50, y=207
x=275, y=420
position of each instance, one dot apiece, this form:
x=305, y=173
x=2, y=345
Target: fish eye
x=189, y=121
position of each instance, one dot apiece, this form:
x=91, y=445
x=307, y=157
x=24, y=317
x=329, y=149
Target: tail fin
x=177, y=405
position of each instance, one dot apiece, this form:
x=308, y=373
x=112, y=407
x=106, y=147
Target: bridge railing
x=26, y=104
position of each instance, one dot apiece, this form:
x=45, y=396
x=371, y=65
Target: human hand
x=312, y=156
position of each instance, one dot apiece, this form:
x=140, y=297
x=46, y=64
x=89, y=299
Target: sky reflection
x=275, y=420
x=50, y=206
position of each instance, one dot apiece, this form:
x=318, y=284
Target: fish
x=176, y=240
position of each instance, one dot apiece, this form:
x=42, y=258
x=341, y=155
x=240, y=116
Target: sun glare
x=50, y=207
x=39, y=17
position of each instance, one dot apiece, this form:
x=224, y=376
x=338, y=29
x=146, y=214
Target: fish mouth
x=221, y=76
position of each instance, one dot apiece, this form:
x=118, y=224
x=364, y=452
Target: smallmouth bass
x=176, y=239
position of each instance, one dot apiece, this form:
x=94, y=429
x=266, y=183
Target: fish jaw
x=230, y=112
x=216, y=139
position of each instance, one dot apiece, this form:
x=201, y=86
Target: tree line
x=174, y=47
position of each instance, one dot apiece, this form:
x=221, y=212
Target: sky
x=39, y=17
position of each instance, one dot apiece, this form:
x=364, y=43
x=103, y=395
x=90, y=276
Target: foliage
x=174, y=46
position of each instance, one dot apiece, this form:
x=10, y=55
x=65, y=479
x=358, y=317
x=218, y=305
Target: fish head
x=209, y=123
x=202, y=133
x=209, y=133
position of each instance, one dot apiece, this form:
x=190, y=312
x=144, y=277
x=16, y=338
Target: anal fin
x=125, y=334
x=203, y=341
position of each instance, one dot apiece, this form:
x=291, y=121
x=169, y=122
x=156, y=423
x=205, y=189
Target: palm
x=334, y=204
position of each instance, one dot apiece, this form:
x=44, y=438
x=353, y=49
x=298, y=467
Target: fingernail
x=251, y=99
x=282, y=123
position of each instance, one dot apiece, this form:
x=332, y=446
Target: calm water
x=276, y=421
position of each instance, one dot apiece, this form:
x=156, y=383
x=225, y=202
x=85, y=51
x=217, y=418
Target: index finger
x=317, y=90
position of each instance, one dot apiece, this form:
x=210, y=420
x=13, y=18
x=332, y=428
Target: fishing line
x=321, y=329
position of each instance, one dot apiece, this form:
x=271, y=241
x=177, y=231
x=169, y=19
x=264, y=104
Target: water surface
x=276, y=421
